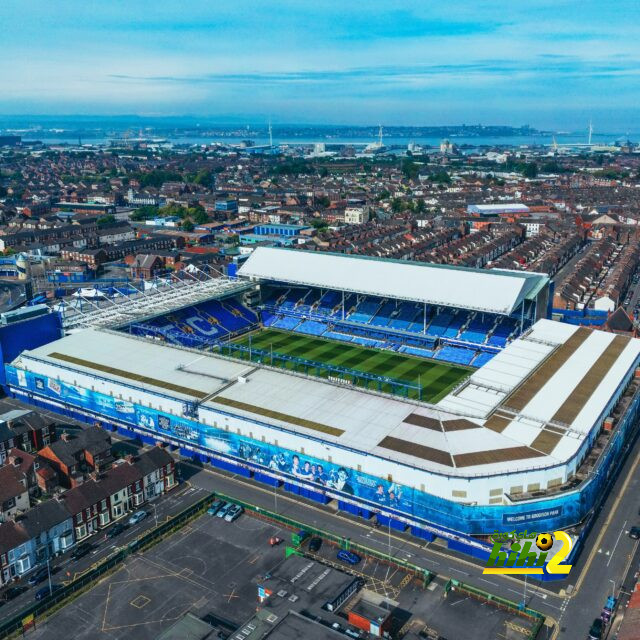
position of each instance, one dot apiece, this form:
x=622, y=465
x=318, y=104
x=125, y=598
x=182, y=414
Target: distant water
x=515, y=141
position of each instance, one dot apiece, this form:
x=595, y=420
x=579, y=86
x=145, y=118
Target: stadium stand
x=477, y=330
x=458, y=355
x=202, y=324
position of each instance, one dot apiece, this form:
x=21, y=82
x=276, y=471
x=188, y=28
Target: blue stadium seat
x=456, y=355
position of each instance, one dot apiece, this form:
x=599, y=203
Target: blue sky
x=549, y=63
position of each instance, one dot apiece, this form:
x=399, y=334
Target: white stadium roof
x=532, y=406
x=493, y=291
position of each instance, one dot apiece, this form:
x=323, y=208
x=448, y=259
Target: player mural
x=369, y=490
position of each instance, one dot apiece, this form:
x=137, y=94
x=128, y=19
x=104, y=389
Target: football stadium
x=437, y=400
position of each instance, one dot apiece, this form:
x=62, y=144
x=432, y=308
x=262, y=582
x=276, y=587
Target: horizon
x=540, y=64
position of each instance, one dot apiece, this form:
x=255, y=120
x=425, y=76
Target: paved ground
x=608, y=552
x=209, y=567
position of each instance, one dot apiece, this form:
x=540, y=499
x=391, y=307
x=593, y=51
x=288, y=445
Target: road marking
x=616, y=544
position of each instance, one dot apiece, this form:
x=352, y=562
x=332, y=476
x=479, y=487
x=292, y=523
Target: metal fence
x=341, y=375
x=534, y=617
x=54, y=602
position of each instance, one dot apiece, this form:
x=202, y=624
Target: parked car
x=12, y=592
x=41, y=594
x=234, y=513
x=38, y=576
x=348, y=557
x=138, y=516
x=116, y=530
x=634, y=533
x=274, y=541
x=81, y=551
x=215, y=507
x=222, y=512
x=315, y=544
x=597, y=627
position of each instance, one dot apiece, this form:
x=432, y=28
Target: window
x=104, y=518
x=81, y=532
x=168, y=468
x=103, y=505
x=79, y=518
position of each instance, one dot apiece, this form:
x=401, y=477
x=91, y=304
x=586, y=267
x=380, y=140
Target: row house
x=24, y=429
x=41, y=533
x=53, y=527
x=126, y=487
x=74, y=457
x=14, y=492
x=41, y=478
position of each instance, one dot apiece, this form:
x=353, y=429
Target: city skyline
x=542, y=65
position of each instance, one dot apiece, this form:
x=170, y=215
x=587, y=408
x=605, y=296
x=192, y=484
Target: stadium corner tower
x=437, y=399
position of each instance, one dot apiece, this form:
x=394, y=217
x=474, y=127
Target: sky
x=547, y=63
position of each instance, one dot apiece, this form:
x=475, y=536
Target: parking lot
x=208, y=567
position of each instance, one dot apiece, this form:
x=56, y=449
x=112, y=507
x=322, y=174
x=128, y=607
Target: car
x=45, y=592
x=597, y=627
x=215, y=507
x=12, y=592
x=348, y=557
x=222, y=511
x=234, y=513
x=116, y=530
x=138, y=516
x=315, y=544
x=274, y=541
x=634, y=533
x=38, y=576
x=81, y=551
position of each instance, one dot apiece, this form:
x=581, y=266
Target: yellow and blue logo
x=525, y=558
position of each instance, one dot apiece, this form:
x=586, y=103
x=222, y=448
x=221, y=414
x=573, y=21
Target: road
x=572, y=603
x=65, y=568
x=608, y=554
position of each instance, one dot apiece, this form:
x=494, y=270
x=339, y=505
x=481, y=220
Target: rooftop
x=494, y=291
x=532, y=405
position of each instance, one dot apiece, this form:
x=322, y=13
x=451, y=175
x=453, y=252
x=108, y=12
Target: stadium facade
x=530, y=439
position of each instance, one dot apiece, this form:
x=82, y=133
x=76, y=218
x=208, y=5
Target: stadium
x=437, y=400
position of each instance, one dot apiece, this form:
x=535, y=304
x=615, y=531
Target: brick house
x=26, y=430
x=75, y=457
x=14, y=494
x=126, y=487
x=41, y=478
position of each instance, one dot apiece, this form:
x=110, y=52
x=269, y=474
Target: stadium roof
x=532, y=406
x=161, y=297
x=493, y=291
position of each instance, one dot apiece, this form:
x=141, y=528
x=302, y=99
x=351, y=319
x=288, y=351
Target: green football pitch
x=425, y=379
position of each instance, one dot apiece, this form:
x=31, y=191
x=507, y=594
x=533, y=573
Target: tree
x=397, y=205
x=187, y=225
x=105, y=220
x=420, y=206
x=322, y=201
x=319, y=224
x=203, y=177
x=530, y=170
x=145, y=212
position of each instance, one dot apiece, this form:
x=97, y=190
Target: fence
x=419, y=572
x=530, y=614
x=52, y=603
x=335, y=373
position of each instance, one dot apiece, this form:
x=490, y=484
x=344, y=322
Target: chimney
x=65, y=437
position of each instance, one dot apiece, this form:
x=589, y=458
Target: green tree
x=397, y=205
x=187, y=225
x=105, y=220
x=420, y=206
x=530, y=170
x=146, y=212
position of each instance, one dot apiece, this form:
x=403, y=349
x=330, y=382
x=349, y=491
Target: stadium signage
x=339, y=380
x=530, y=516
x=521, y=558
